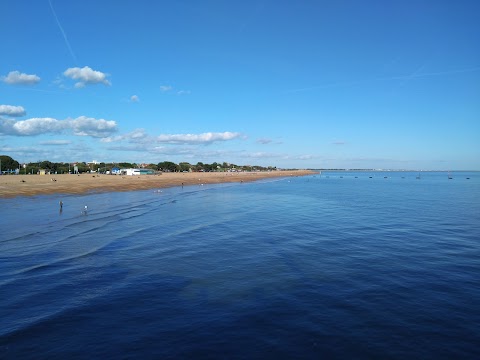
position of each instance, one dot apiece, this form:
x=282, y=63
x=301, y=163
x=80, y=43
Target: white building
x=130, y=172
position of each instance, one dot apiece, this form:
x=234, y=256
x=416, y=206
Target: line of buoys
x=386, y=177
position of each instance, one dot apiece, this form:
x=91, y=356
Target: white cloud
x=168, y=88
x=139, y=136
x=86, y=76
x=85, y=126
x=18, y=78
x=264, y=141
x=181, y=152
x=13, y=111
x=165, y=88
x=306, y=157
x=134, y=136
x=81, y=126
x=33, y=126
x=134, y=98
x=79, y=149
x=111, y=139
x=55, y=142
x=135, y=147
x=204, y=138
x=59, y=82
x=28, y=153
x=260, y=155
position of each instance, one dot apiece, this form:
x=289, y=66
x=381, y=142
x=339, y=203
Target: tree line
x=9, y=165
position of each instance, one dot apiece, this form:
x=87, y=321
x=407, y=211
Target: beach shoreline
x=31, y=185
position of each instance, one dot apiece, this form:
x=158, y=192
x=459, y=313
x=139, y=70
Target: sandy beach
x=30, y=185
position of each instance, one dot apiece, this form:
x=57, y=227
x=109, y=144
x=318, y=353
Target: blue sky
x=304, y=84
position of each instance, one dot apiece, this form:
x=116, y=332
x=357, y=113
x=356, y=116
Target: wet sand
x=30, y=185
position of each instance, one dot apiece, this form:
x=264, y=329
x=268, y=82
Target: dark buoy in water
x=84, y=212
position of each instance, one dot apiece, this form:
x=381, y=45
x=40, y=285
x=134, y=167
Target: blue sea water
x=337, y=265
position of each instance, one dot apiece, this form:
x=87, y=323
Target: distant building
x=132, y=172
x=147, y=172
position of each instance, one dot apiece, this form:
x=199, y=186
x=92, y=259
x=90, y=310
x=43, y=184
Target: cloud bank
x=18, y=78
x=12, y=111
x=81, y=126
x=139, y=136
x=55, y=142
x=86, y=76
x=205, y=138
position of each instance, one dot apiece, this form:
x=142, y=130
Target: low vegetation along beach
x=29, y=185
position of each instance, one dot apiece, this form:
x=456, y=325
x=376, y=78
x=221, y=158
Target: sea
x=336, y=265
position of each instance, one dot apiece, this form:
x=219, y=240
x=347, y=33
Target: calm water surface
x=337, y=265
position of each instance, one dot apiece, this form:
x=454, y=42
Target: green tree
x=62, y=168
x=184, y=166
x=199, y=167
x=151, y=166
x=32, y=168
x=215, y=166
x=125, y=165
x=47, y=165
x=168, y=166
x=82, y=167
x=7, y=163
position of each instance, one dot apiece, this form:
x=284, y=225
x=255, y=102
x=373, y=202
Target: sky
x=292, y=84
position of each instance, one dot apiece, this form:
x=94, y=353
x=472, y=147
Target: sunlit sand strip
x=30, y=185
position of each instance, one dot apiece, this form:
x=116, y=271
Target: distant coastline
x=31, y=185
